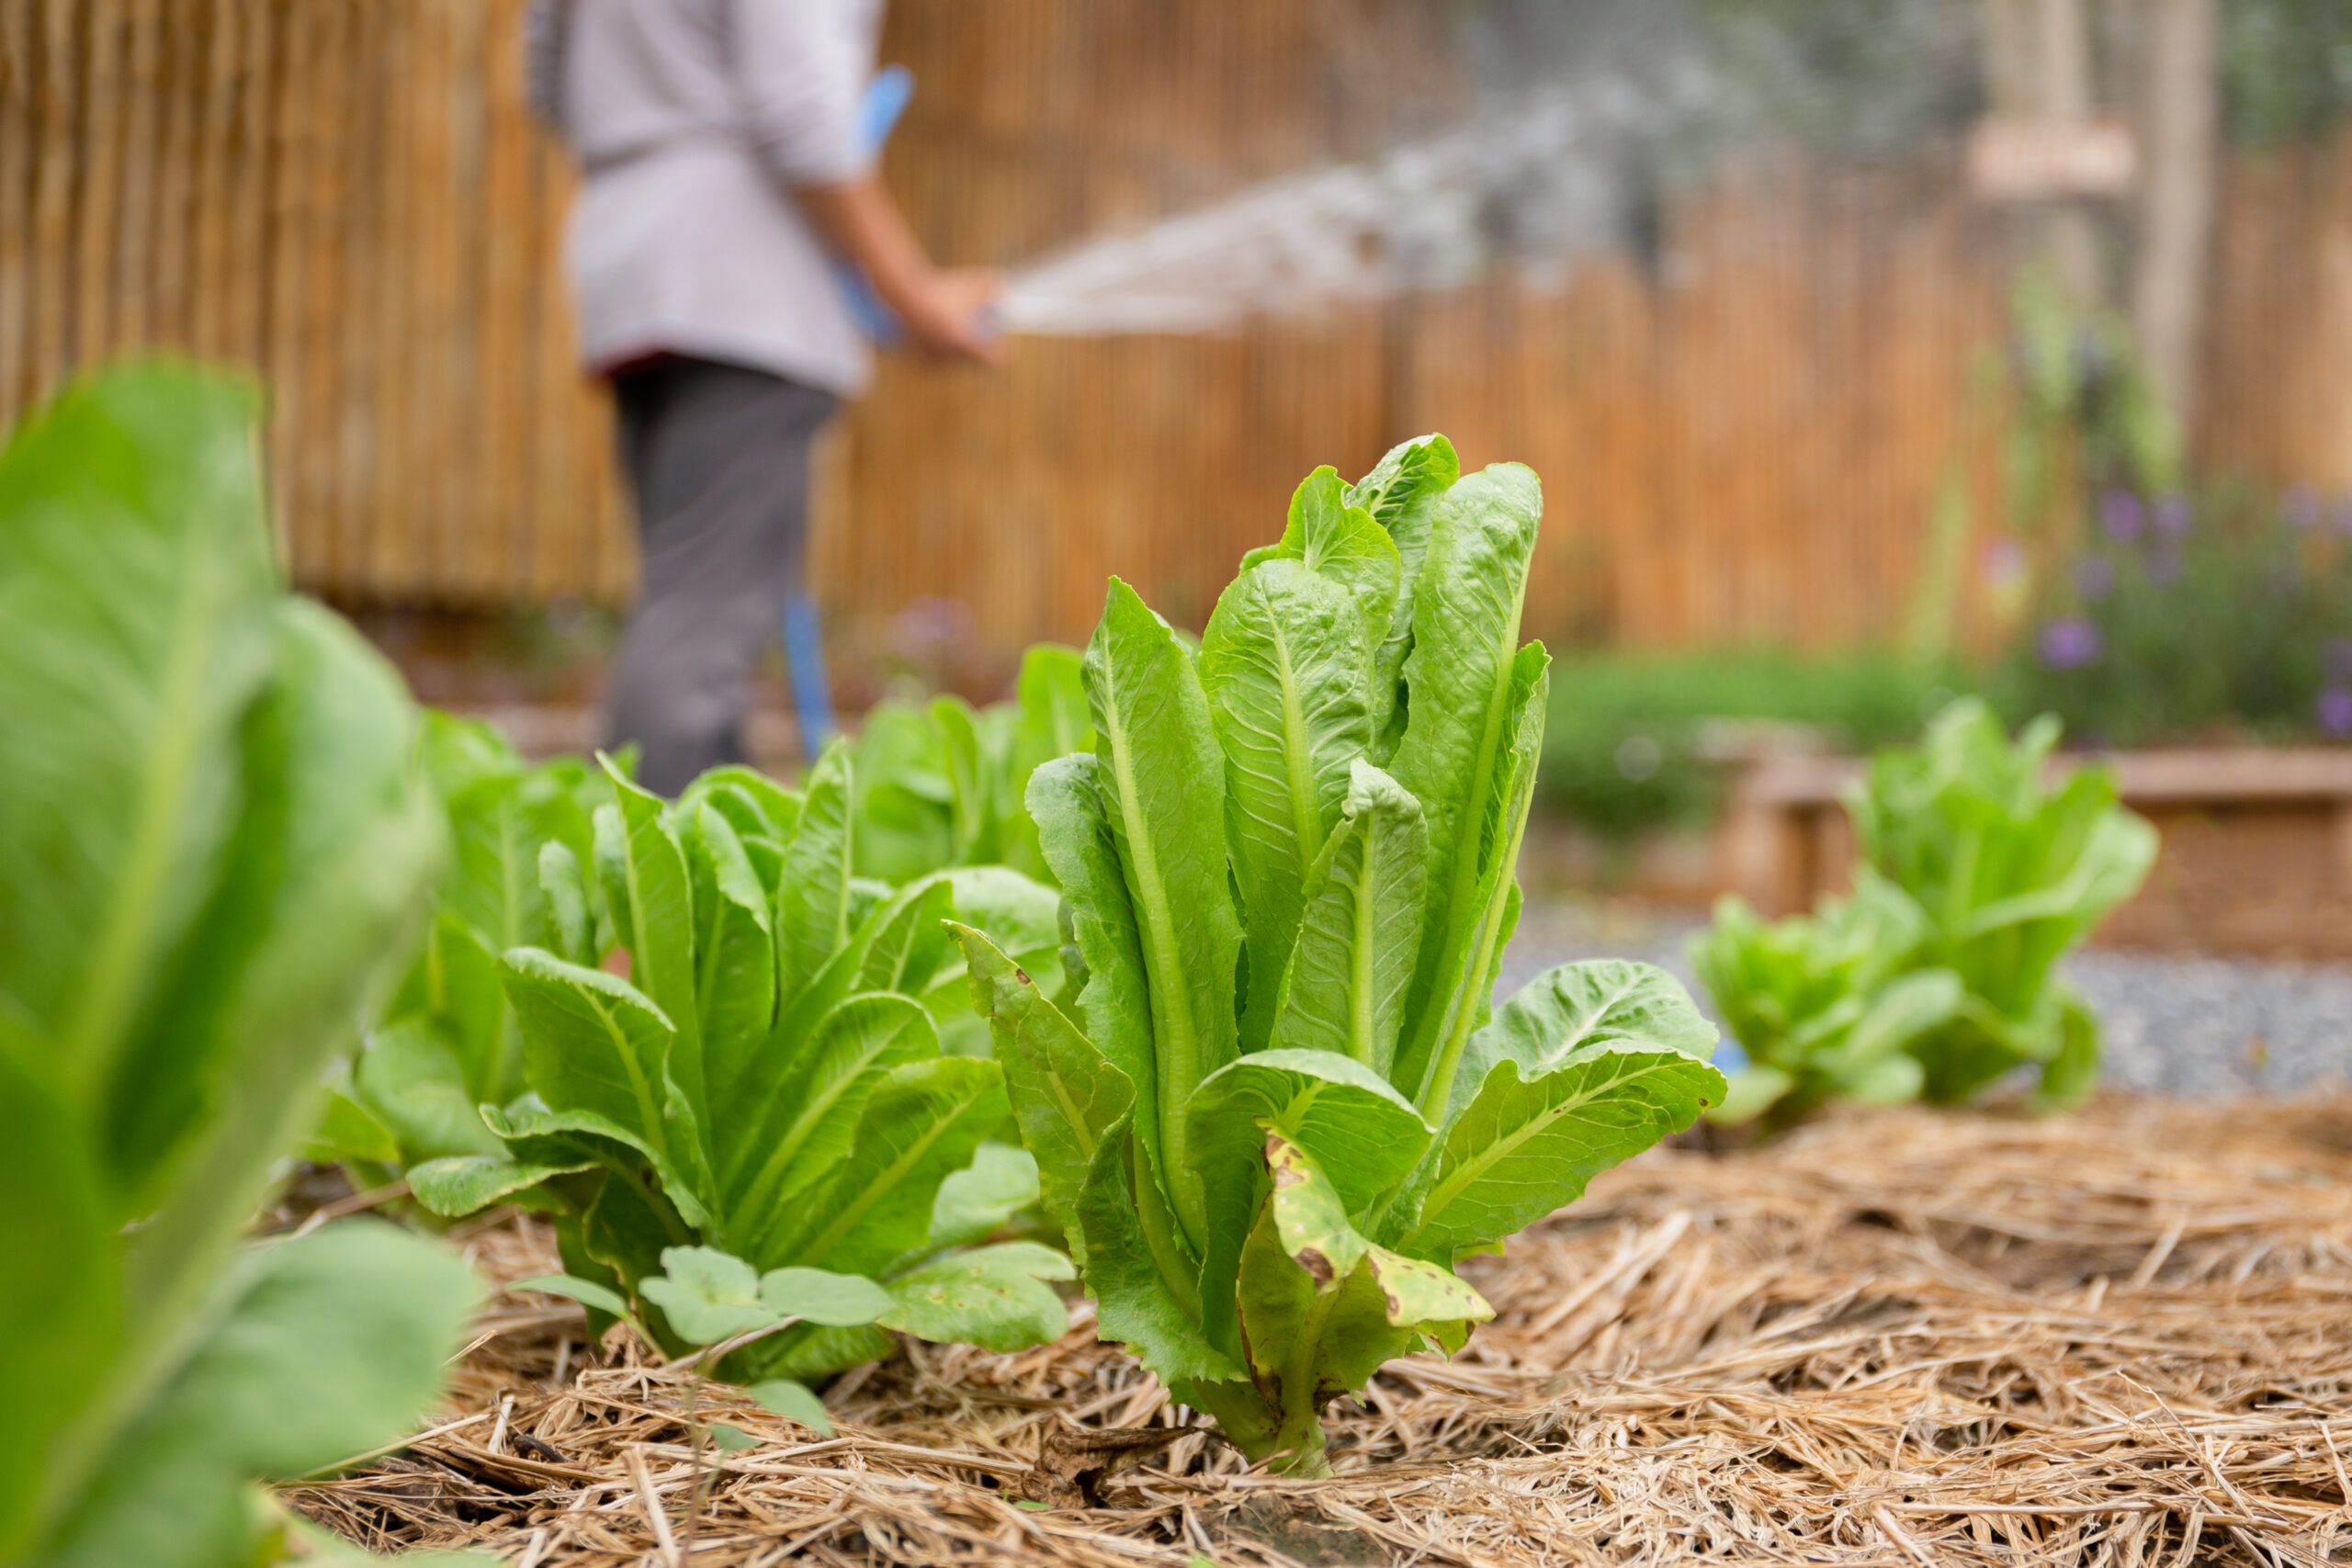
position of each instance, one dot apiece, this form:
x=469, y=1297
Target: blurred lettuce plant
x=1938, y=977
x=1824, y=1006
x=2008, y=872
x=446, y=1042
x=940, y=784
x=214, y=855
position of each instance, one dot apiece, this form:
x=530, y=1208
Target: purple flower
x=2070, y=643
x=2172, y=515
x=2301, y=509
x=2334, y=711
x=2094, y=577
x=2003, y=563
x=2120, y=515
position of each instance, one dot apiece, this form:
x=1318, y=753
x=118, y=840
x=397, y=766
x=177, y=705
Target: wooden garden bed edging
x=2258, y=843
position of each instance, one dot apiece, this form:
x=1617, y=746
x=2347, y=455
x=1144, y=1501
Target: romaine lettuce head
x=1282, y=1105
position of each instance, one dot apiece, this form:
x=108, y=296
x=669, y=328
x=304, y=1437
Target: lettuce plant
x=1282, y=1108
x=1938, y=976
x=214, y=854
x=1824, y=1007
x=2006, y=874
x=941, y=784
x=718, y=1305
x=446, y=1042
x=768, y=1080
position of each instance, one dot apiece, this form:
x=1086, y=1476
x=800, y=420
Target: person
x=724, y=172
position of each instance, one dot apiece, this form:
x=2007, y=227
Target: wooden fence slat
x=19, y=135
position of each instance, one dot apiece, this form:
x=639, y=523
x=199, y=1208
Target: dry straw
x=2124, y=1338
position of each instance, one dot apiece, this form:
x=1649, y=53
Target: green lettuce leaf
x=1283, y=662
x=1162, y=781
x=1273, y=1101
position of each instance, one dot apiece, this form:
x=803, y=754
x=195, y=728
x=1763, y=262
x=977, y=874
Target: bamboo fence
x=1743, y=436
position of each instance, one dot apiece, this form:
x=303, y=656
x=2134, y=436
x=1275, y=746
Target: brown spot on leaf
x=1022, y=974
x=1311, y=1258
x=1286, y=1172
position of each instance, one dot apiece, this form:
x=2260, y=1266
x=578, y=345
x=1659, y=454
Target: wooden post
x=2038, y=67
x=2179, y=117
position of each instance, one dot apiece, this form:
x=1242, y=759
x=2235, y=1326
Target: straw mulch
x=2122, y=1338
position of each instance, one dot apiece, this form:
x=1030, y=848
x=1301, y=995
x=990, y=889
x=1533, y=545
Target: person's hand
x=946, y=315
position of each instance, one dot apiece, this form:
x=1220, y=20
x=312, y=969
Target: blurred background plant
x=1641, y=743
x=2225, y=617
x=1937, y=979
x=942, y=783
x=2287, y=68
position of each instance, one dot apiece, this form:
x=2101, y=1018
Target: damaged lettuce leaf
x=1282, y=1105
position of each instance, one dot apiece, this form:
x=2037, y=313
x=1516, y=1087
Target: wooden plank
x=19, y=141
x=60, y=103
x=161, y=272
x=2167, y=777
x=102, y=160
x=123, y=273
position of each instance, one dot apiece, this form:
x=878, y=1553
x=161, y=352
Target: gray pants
x=718, y=457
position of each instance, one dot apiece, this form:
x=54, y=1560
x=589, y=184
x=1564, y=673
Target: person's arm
x=798, y=76
x=944, y=309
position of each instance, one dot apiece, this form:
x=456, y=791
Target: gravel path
x=2176, y=1024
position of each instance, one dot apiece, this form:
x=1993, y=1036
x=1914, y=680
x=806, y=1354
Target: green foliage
x=998, y=1297
x=1938, y=977
x=2083, y=412
x=1882, y=78
x=213, y=855
x=766, y=1094
x=940, y=783
x=2181, y=622
x=2072, y=415
x=2009, y=873
x=2286, y=68
x=446, y=1042
x=1282, y=1108
x=1826, y=1007
x=1629, y=748
x=1853, y=78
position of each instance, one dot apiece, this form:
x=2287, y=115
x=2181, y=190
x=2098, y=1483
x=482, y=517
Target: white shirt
x=695, y=120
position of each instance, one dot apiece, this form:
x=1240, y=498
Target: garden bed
x=2257, y=859
x=2257, y=845
x=2117, y=1338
